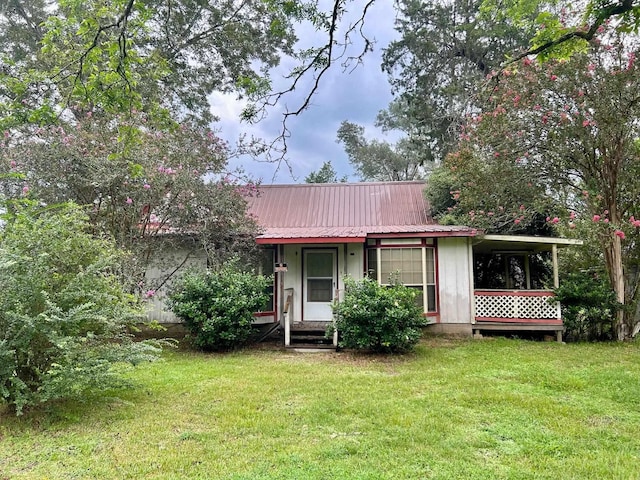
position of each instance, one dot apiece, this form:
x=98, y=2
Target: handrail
x=287, y=311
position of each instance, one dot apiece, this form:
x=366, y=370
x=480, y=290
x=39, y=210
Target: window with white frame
x=414, y=267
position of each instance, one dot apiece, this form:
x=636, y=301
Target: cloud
x=355, y=95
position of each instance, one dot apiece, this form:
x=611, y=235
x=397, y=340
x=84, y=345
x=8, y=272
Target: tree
x=63, y=312
x=572, y=127
x=163, y=56
x=437, y=67
x=561, y=30
x=325, y=174
x=162, y=195
x=378, y=161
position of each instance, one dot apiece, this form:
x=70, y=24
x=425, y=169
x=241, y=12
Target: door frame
x=303, y=276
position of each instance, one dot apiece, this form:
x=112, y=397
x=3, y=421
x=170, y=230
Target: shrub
x=64, y=313
x=589, y=307
x=217, y=307
x=378, y=318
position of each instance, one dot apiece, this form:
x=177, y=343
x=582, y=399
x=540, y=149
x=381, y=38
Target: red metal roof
x=321, y=212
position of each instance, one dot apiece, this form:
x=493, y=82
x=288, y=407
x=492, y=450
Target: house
x=315, y=234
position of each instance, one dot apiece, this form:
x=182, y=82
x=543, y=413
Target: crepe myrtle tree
x=568, y=132
x=162, y=194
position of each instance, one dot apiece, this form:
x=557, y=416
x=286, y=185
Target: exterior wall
x=158, y=270
x=454, y=281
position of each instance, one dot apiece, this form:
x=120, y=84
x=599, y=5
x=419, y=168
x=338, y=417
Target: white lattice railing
x=516, y=306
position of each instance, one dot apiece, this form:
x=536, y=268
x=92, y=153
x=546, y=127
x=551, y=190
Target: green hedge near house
x=217, y=307
x=378, y=318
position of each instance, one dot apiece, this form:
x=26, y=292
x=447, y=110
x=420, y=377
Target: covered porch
x=513, y=282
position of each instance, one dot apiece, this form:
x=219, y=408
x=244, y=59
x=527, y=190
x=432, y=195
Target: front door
x=319, y=283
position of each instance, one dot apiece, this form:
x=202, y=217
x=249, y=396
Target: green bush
x=64, y=313
x=378, y=318
x=217, y=307
x=589, y=307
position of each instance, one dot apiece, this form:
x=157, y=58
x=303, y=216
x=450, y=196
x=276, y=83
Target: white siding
x=454, y=288
x=158, y=270
x=355, y=260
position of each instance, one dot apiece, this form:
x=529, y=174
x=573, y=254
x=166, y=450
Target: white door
x=319, y=283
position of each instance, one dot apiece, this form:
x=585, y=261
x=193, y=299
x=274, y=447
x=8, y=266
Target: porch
x=513, y=278
x=517, y=310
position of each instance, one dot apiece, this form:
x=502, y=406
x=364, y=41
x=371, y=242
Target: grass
x=487, y=409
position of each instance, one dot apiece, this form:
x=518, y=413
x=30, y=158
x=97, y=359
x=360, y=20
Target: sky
x=356, y=96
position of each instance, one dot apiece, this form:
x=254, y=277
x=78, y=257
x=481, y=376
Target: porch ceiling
x=489, y=243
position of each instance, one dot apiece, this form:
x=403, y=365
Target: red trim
x=435, y=315
x=514, y=293
x=436, y=274
x=422, y=234
x=546, y=321
x=264, y=314
x=309, y=240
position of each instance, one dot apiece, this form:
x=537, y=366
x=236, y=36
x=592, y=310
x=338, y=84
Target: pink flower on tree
x=596, y=218
x=620, y=233
x=146, y=186
x=149, y=293
x=25, y=190
x=129, y=201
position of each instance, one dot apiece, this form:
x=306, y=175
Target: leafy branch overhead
x=164, y=56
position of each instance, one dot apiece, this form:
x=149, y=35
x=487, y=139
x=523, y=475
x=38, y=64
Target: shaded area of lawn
x=454, y=409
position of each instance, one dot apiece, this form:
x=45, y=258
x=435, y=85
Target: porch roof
x=488, y=243
x=345, y=212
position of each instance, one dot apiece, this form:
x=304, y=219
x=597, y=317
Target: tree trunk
x=613, y=257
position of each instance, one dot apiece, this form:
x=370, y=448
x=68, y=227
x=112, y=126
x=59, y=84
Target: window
x=414, y=267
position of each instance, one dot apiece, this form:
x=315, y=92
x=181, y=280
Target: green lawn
x=455, y=409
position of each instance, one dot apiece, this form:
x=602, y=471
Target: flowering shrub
x=378, y=318
x=217, y=307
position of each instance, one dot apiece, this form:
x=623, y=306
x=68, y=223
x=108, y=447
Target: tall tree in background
x=567, y=131
x=325, y=174
x=374, y=160
x=436, y=68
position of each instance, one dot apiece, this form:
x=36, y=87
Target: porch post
x=554, y=259
x=472, y=303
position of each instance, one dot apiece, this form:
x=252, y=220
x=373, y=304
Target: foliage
x=128, y=54
x=563, y=133
x=497, y=196
x=63, y=312
x=169, y=58
x=325, y=174
x=563, y=29
x=378, y=318
x=217, y=307
x=161, y=193
x=437, y=65
x=378, y=161
x=588, y=307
